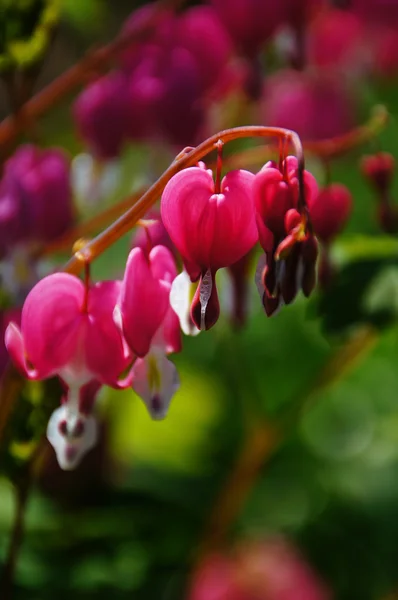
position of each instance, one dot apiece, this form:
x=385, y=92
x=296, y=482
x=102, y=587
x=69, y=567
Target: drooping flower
x=35, y=197
x=295, y=99
x=150, y=326
x=144, y=298
x=336, y=40
x=173, y=73
x=211, y=228
x=290, y=249
x=249, y=22
x=101, y=115
x=67, y=329
x=272, y=569
x=379, y=170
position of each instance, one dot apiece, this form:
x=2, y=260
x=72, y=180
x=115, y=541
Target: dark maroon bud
x=289, y=280
x=205, y=308
x=309, y=254
x=271, y=303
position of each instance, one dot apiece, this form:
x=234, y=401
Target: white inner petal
x=180, y=301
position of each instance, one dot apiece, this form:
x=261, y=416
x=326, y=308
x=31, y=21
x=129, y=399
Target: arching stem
x=125, y=223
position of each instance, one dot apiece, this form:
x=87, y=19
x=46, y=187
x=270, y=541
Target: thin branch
x=76, y=75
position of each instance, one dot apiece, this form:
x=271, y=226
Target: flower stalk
x=127, y=221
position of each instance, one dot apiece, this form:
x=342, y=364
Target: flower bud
x=101, y=115
x=330, y=210
x=35, y=196
x=379, y=169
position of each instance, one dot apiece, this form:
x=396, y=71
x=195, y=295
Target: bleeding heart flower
x=144, y=299
x=67, y=329
x=290, y=249
x=211, y=228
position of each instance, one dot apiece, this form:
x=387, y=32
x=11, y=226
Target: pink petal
x=184, y=210
x=144, y=301
x=235, y=231
x=52, y=321
x=14, y=344
x=171, y=332
x=210, y=230
x=105, y=352
x=163, y=265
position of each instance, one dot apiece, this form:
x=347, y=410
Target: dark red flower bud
x=205, y=307
x=309, y=255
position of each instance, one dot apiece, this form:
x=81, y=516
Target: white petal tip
x=71, y=436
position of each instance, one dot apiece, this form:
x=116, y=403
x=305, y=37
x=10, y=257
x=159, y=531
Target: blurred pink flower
x=317, y=106
x=101, y=114
x=268, y=570
x=35, y=196
x=330, y=210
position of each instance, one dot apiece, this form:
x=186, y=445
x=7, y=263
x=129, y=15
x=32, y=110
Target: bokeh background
x=278, y=460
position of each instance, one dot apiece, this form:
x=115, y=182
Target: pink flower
x=201, y=32
x=275, y=192
x=150, y=326
x=152, y=233
x=211, y=229
x=294, y=100
x=101, y=114
x=144, y=300
x=330, y=210
x=379, y=169
x=249, y=22
x=35, y=196
x=290, y=250
x=270, y=570
x=67, y=329
x=336, y=39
